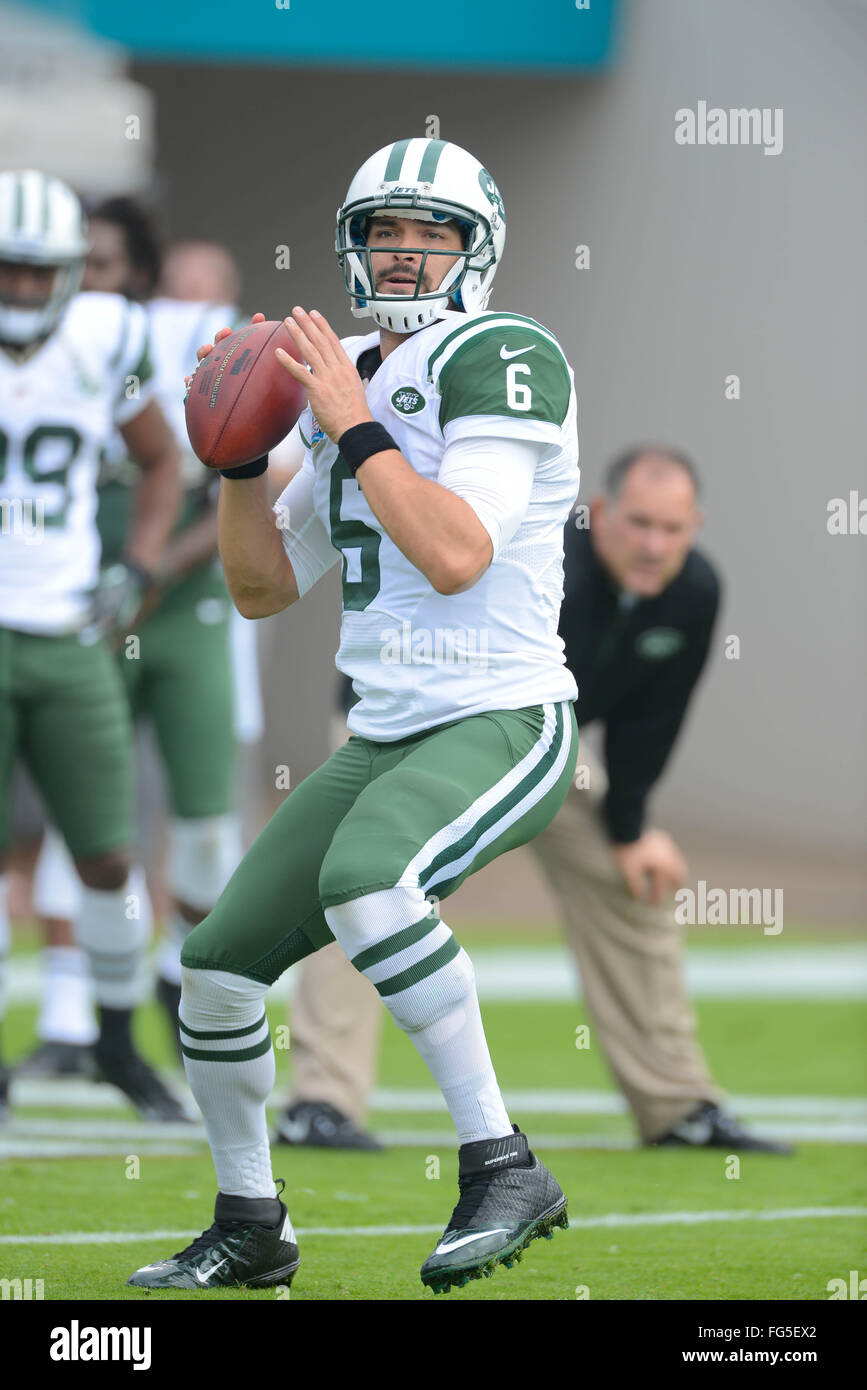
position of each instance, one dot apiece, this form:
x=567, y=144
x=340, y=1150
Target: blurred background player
x=74, y=370
x=638, y=613
x=181, y=680
x=196, y=676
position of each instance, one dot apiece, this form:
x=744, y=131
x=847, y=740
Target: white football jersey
x=418, y=658
x=59, y=408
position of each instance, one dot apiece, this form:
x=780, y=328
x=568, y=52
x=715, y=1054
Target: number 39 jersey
x=59, y=407
x=418, y=658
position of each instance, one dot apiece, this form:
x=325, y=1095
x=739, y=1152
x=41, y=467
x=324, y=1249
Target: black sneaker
x=57, y=1060
x=140, y=1083
x=708, y=1127
x=508, y=1198
x=314, y=1124
x=168, y=996
x=251, y=1243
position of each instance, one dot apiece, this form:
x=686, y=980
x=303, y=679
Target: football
x=241, y=402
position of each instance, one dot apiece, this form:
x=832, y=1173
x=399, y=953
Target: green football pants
x=425, y=811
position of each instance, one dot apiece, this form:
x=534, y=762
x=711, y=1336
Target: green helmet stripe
x=430, y=160
x=395, y=161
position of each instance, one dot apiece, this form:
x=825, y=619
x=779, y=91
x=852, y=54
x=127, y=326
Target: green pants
x=64, y=713
x=179, y=676
x=426, y=811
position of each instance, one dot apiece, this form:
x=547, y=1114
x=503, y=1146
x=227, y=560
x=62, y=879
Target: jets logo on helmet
x=429, y=181
x=41, y=224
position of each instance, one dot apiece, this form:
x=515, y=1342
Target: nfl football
x=241, y=402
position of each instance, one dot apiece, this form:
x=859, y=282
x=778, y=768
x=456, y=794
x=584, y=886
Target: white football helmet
x=427, y=180
x=41, y=223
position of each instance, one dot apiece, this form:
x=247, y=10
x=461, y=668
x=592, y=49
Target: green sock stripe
x=420, y=970
x=497, y=812
x=395, y=161
x=218, y=1037
x=244, y=1054
x=399, y=942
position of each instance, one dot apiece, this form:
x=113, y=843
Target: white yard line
x=76, y=1094
x=147, y=1140
x=619, y=1220
x=770, y=970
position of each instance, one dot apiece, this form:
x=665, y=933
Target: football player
x=442, y=487
x=73, y=368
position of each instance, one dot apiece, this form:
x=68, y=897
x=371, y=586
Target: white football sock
x=67, y=1009
x=114, y=928
x=428, y=985
x=230, y=1066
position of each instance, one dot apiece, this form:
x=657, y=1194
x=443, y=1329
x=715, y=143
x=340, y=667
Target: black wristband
x=358, y=443
x=246, y=470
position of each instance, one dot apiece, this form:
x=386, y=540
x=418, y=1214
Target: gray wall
x=703, y=262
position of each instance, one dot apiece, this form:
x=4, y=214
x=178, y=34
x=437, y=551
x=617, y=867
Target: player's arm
x=258, y=570
x=435, y=529
x=152, y=446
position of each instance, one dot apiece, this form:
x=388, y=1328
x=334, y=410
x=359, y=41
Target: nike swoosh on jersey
x=465, y=1240
x=204, y=1275
x=516, y=352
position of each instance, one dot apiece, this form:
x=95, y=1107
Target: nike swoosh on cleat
x=516, y=352
x=202, y=1276
x=465, y=1240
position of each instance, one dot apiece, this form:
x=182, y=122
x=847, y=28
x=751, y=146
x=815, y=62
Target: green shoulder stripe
x=144, y=368
x=510, y=367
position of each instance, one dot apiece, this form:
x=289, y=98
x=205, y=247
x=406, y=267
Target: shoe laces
x=212, y=1236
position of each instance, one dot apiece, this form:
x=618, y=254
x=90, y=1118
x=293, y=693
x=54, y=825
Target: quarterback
x=440, y=462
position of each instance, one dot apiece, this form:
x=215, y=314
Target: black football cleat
x=129, y=1071
x=57, y=1061
x=508, y=1198
x=709, y=1127
x=314, y=1124
x=4, y=1094
x=251, y=1244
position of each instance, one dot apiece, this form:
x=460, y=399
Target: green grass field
x=646, y=1225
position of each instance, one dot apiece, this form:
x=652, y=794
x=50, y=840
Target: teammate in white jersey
x=443, y=488
x=73, y=368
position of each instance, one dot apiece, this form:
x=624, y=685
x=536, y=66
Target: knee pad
x=215, y=1000
x=203, y=855
x=56, y=885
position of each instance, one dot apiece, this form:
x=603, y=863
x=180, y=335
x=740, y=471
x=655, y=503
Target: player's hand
x=207, y=348
x=117, y=600
x=652, y=866
x=334, y=388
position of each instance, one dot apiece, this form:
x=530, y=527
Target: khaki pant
x=629, y=955
x=630, y=958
